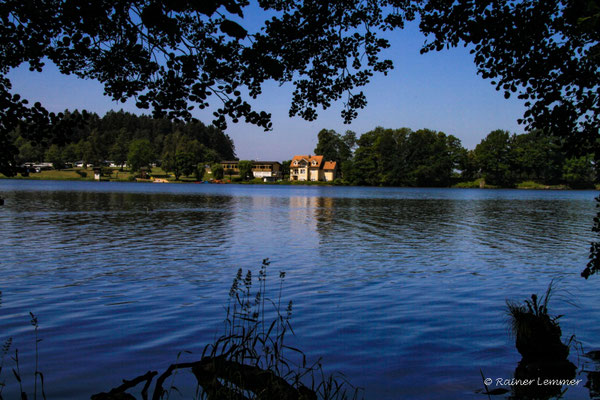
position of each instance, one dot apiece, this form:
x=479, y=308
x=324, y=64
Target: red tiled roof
x=329, y=165
x=309, y=159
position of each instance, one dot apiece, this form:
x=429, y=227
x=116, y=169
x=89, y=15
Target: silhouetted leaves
x=545, y=52
x=173, y=57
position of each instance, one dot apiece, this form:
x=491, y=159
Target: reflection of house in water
x=312, y=168
x=324, y=214
x=312, y=214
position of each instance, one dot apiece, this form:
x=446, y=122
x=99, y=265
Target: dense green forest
x=380, y=157
x=402, y=157
x=123, y=137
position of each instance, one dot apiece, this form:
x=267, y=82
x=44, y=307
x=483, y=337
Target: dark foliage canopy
x=545, y=52
x=173, y=57
x=177, y=56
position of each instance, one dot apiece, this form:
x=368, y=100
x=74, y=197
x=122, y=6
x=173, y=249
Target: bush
x=537, y=333
x=81, y=173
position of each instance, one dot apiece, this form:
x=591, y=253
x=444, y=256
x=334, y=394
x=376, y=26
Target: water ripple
x=401, y=289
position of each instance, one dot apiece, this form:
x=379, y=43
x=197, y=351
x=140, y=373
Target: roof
x=329, y=165
x=253, y=162
x=266, y=162
x=309, y=159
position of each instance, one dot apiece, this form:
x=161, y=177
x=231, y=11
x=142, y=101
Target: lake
x=402, y=290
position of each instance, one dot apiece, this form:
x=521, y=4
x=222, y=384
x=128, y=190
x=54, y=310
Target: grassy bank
x=86, y=174
x=116, y=175
x=480, y=184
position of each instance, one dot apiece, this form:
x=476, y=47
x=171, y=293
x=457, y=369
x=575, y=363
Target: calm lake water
x=402, y=290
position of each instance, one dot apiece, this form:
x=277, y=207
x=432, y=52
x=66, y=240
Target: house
x=260, y=169
x=266, y=169
x=312, y=168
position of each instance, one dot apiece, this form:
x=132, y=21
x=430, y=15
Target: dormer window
x=314, y=162
x=295, y=162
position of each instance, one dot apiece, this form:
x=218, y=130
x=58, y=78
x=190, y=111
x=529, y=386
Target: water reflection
x=402, y=290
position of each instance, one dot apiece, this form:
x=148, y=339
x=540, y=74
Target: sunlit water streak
x=403, y=290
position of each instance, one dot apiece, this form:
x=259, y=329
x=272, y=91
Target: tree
x=177, y=56
x=433, y=156
x=546, y=52
x=55, y=156
x=174, y=57
x=120, y=149
x=346, y=149
x=494, y=157
x=335, y=147
x=328, y=144
x=285, y=169
x=184, y=164
x=537, y=156
x=245, y=168
x=87, y=152
x=199, y=172
x=70, y=153
x=579, y=172
x=140, y=154
x=27, y=151
x=217, y=171
x=468, y=166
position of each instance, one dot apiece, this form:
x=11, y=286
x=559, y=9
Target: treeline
x=123, y=137
x=426, y=158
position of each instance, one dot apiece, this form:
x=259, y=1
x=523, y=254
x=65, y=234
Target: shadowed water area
x=402, y=290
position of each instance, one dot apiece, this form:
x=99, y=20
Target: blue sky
x=439, y=91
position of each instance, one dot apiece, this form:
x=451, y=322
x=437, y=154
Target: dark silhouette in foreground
x=248, y=360
x=545, y=361
x=210, y=372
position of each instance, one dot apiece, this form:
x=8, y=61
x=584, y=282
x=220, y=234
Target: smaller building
x=260, y=169
x=97, y=173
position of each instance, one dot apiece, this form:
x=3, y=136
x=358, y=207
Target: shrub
x=537, y=333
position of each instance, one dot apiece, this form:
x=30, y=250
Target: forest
x=380, y=157
x=126, y=138
x=427, y=158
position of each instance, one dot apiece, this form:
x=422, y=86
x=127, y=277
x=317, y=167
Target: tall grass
x=537, y=332
x=251, y=359
x=16, y=370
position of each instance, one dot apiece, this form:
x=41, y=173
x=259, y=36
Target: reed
x=251, y=359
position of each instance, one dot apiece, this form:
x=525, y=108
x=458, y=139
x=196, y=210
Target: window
x=314, y=162
x=302, y=171
x=295, y=162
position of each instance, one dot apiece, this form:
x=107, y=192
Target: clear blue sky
x=439, y=91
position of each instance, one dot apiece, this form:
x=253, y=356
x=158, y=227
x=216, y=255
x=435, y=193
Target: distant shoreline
x=125, y=176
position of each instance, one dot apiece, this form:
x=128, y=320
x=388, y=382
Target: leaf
x=233, y=29
x=206, y=7
x=16, y=375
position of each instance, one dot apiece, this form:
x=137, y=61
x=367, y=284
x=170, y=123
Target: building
x=260, y=169
x=312, y=168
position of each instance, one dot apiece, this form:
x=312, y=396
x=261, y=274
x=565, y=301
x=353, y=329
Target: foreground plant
x=16, y=370
x=251, y=360
x=537, y=333
x=538, y=339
